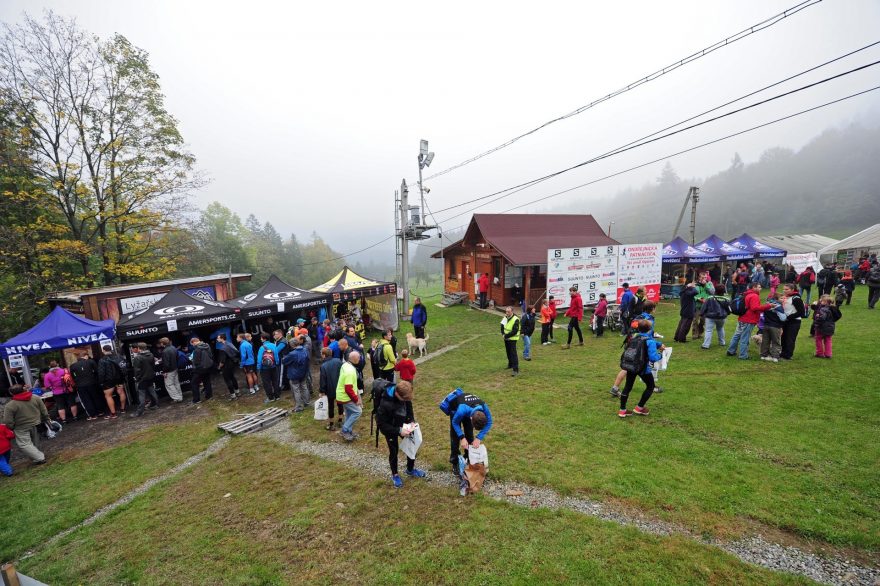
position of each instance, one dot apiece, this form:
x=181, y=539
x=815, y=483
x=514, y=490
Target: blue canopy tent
x=679, y=252
x=758, y=249
x=715, y=245
x=60, y=329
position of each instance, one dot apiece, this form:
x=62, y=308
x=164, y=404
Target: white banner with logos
x=602, y=269
x=591, y=269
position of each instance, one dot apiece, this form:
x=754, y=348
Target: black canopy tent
x=176, y=311
x=277, y=297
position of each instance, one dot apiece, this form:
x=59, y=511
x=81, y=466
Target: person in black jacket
x=144, y=365
x=527, y=328
x=795, y=311
x=328, y=381
x=85, y=374
x=169, y=370
x=203, y=363
x=112, y=378
x=228, y=357
x=826, y=280
x=395, y=410
x=686, y=313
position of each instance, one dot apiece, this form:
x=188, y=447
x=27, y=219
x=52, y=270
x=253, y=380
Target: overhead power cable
x=499, y=195
x=681, y=152
x=755, y=28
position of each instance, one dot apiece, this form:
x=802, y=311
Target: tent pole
x=28, y=378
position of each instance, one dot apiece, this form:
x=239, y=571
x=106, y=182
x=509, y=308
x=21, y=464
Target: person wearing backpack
x=825, y=314
x=575, y=313
x=686, y=313
x=771, y=336
x=751, y=307
x=647, y=315
x=267, y=360
x=705, y=288
x=393, y=413
x=228, y=357
x=805, y=282
x=715, y=310
x=59, y=381
x=203, y=363
x=636, y=360
x=826, y=280
x=112, y=378
x=873, y=282
x=169, y=370
x=296, y=365
x=385, y=356
x=466, y=413
x=795, y=311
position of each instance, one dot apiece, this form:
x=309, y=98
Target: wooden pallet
x=251, y=422
x=453, y=299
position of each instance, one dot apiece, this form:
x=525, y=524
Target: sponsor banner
x=800, y=262
x=367, y=292
x=16, y=361
x=383, y=311
x=591, y=269
x=640, y=265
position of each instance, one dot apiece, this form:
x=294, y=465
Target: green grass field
x=731, y=448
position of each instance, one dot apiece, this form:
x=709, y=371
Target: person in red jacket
x=601, y=312
x=483, y=281
x=576, y=314
x=6, y=434
x=747, y=321
x=406, y=367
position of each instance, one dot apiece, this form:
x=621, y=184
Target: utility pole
x=695, y=197
x=404, y=245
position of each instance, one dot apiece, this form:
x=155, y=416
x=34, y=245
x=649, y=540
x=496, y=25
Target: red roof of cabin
x=523, y=239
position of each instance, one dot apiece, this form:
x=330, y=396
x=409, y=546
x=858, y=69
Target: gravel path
x=133, y=494
x=753, y=550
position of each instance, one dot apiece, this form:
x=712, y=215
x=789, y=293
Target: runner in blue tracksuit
x=626, y=302
x=466, y=413
x=247, y=362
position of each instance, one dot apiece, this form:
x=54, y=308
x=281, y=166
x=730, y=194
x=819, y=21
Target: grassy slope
x=792, y=445
x=283, y=523
x=39, y=502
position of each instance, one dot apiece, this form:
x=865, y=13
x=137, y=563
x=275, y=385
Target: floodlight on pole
x=423, y=150
x=428, y=158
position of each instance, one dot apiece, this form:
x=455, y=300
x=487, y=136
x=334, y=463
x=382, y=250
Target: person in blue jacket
x=654, y=355
x=266, y=366
x=419, y=318
x=466, y=413
x=247, y=362
x=627, y=299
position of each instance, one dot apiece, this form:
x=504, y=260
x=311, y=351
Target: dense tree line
x=96, y=181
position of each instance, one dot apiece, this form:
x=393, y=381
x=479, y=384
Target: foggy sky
x=310, y=114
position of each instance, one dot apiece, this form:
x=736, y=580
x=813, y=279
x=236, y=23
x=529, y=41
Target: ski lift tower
x=410, y=225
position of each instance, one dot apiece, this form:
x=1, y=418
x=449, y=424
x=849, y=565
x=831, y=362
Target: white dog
x=420, y=344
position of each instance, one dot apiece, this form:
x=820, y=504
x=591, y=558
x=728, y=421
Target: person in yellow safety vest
x=510, y=331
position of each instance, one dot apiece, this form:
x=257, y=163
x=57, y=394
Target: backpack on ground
x=738, y=305
x=634, y=359
x=268, y=358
